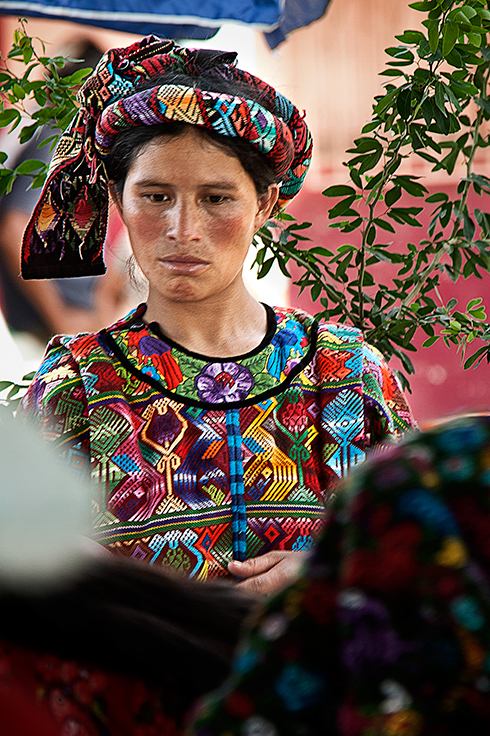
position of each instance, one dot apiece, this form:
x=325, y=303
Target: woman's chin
x=183, y=292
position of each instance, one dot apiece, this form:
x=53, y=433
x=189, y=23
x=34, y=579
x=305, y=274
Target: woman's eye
x=216, y=198
x=156, y=197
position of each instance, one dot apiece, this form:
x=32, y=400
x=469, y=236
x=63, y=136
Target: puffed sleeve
x=56, y=402
x=387, y=412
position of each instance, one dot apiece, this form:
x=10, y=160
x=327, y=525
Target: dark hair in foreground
x=130, y=143
x=124, y=617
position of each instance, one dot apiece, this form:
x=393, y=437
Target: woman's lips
x=181, y=264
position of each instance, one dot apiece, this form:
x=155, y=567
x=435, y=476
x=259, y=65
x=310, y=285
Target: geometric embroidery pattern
x=199, y=460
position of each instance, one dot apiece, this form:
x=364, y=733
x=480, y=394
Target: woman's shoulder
x=84, y=343
x=329, y=334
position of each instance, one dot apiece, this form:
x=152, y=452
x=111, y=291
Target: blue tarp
x=296, y=14
x=176, y=18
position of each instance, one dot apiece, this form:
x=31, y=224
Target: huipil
x=196, y=460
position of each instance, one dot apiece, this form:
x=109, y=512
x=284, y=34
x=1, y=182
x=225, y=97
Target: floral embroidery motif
x=197, y=378
x=219, y=382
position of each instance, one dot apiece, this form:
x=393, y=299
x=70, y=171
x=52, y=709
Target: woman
x=388, y=633
x=215, y=425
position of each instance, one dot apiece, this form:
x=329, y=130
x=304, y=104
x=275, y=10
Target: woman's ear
x=266, y=203
x=116, y=197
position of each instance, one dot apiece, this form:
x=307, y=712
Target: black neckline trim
x=113, y=347
x=271, y=331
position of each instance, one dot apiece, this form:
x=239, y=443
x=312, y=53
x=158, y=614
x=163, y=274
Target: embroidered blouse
x=198, y=460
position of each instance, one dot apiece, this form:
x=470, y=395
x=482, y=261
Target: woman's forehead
x=191, y=153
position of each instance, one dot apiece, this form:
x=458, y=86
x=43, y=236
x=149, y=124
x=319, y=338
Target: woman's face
x=191, y=211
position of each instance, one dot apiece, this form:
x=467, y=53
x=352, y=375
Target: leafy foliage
x=11, y=393
x=435, y=106
x=33, y=94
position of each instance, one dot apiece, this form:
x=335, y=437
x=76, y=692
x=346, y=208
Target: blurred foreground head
x=44, y=511
x=54, y=576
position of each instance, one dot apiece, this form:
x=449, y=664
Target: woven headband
x=66, y=232
x=225, y=114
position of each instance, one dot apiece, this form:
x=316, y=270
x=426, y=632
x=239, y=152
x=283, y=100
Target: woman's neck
x=220, y=327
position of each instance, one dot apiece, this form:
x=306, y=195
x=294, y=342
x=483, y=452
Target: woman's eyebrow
x=225, y=185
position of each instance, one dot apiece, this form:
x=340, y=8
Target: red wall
x=440, y=386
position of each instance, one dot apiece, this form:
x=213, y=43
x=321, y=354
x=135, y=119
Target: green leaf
x=77, y=77
x=384, y=225
x=369, y=161
x=433, y=29
x=338, y=191
x=27, y=132
x=475, y=358
x=430, y=341
x=315, y=291
x=483, y=103
x=404, y=103
x=6, y=384
x=8, y=117
x=410, y=37
x=364, y=145
x=342, y=208
x=400, y=52
x=416, y=189
x=371, y=234
x=471, y=304
x=450, y=34
x=18, y=91
x=438, y=197
x=371, y=126
x=468, y=227
x=355, y=176
x=265, y=268
x=386, y=73
x=392, y=196
x=13, y=391
x=407, y=340
x=29, y=166
x=385, y=102
x=442, y=121
x=423, y=5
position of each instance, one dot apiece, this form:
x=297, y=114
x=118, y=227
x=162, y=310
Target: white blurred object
x=44, y=511
x=12, y=366
x=273, y=289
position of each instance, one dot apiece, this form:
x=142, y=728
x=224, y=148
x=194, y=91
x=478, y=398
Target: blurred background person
x=37, y=310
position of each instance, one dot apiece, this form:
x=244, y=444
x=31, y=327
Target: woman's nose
x=183, y=223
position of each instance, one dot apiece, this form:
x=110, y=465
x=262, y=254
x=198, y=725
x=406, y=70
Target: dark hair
x=129, y=144
x=124, y=617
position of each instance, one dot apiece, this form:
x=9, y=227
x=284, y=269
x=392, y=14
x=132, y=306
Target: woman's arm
x=56, y=402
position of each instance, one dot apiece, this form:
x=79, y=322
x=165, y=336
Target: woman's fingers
x=255, y=565
x=269, y=573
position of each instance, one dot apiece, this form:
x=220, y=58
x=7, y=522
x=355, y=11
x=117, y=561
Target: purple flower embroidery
x=152, y=346
x=223, y=382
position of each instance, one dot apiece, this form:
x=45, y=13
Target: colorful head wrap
x=66, y=232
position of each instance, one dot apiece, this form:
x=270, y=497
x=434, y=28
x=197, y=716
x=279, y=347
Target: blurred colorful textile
x=388, y=633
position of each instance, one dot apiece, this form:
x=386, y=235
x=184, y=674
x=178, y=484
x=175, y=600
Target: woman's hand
x=269, y=573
